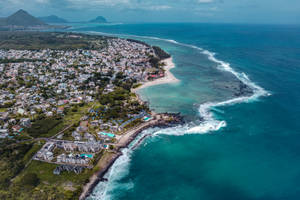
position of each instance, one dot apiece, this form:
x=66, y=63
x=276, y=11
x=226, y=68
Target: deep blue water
x=256, y=156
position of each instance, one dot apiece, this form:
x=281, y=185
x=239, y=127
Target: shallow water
x=256, y=155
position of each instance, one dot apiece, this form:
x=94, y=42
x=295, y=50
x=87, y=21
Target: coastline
x=158, y=120
x=168, y=78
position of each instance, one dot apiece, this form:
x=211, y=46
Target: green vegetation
x=24, y=178
x=3, y=109
x=161, y=54
x=46, y=40
x=154, y=62
x=45, y=127
x=44, y=172
x=30, y=179
x=37, y=180
x=137, y=85
x=114, y=106
x=7, y=105
x=65, y=186
x=13, y=158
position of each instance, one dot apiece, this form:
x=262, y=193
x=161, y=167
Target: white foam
x=118, y=170
x=207, y=125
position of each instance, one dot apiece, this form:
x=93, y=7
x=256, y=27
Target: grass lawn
x=3, y=109
x=50, y=126
x=37, y=146
x=45, y=127
x=74, y=117
x=45, y=173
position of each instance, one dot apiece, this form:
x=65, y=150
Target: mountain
x=98, y=19
x=53, y=19
x=24, y=19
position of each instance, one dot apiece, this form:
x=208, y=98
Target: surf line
x=209, y=123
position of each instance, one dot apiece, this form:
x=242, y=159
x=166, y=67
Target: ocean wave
x=209, y=123
x=118, y=170
x=206, y=112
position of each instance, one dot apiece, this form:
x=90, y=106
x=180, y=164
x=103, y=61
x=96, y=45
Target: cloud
x=42, y=1
x=152, y=5
x=112, y=9
x=160, y=7
x=75, y=3
x=205, y=1
x=132, y=5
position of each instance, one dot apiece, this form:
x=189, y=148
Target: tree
x=30, y=179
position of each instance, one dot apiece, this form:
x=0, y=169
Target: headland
x=156, y=120
x=168, y=77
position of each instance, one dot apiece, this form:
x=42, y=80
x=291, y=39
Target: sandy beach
x=124, y=140
x=168, y=78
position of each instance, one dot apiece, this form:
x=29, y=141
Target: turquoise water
x=107, y=134
x=86, y=155
x=247, y=148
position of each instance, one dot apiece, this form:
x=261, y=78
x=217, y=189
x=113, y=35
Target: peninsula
x=68, y=106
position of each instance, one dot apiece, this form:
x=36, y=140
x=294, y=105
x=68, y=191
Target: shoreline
x=129, y=137
x=168, y=78
x=159, y=120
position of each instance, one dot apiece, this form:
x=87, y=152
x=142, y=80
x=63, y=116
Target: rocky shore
x=98, y=176
x=158, y=120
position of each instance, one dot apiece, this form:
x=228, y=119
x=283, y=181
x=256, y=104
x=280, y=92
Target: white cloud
x=35, y=6
x=162, y=7
x=205, y=1
x=78, y=3
x=42, y=1
x=209, y=9
x=121, y=4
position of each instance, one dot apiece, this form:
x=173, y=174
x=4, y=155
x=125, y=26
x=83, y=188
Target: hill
x=52, y=19
x=24, y=19
x=98, y=19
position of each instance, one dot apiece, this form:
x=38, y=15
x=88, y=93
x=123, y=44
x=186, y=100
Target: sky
x=134, y=11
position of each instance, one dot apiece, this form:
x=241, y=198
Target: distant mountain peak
x=53, y=19
x=99, y=19
x=23, y=18
x=21, y=11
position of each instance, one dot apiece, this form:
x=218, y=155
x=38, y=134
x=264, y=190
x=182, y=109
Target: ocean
x=243, y=146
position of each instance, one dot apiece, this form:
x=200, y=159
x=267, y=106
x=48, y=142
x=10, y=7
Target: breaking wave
x=208, y=123
x=117, y=171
